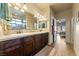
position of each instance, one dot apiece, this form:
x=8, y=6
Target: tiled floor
x=60, y=49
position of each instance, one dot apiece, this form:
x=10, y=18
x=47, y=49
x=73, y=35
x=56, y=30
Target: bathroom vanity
x=23, y=34
x=25, y=44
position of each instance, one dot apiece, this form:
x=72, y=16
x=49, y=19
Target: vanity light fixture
x=9, y=4
x=35, y=15
x=24, y=7
x=18, y=4
x=45, y=19
x=38, y=14
x=16, y=8
x=77, y=20
x=22, y=10
x=41, y=16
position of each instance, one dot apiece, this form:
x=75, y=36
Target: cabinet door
x=44, y=39
x=12, y=47
x=28, y=45
x=37, y=42
x=13, y=51
x=1, y=49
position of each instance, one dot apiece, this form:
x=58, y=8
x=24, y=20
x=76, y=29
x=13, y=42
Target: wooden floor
x=60, y=48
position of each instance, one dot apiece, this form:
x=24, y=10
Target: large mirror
x=16, y=19
x=21, y=20
x=42, y=24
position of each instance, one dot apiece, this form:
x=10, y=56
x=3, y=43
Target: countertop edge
x=14, y=36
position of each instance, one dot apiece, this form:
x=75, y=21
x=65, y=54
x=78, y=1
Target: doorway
x=54, y=35
x=61, y=28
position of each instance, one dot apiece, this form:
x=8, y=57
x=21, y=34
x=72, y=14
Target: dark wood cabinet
x=13, y=51
x=37, y=42
x=24, y=46
x=44, y=39
x=1, y=49
x=12, y=47
x=28, y=45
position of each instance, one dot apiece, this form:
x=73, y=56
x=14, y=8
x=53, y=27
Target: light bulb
x=18, y=4
x=9, y=4
x=22, y=10
x=16, y=8
x=24, y=7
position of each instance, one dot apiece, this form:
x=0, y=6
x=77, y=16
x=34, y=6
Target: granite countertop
x=13, y=36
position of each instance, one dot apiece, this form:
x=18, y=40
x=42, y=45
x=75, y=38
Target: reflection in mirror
x=19, y=20
x=43, y=24
x=17, y=24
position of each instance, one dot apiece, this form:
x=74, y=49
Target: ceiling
x=42, y=6
x=55, y=6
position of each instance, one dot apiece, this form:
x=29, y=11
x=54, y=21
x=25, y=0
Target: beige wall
x=64, y=14
x=51, y=16
x=76, y=28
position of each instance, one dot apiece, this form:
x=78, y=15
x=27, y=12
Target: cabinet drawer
x=38, y=42
x=10, y=43
x=28, y=45
x=44, y=39
x=13, y=51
